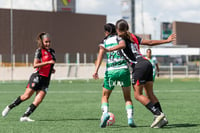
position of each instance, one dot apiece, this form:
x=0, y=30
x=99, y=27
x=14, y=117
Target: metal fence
x=65, y=71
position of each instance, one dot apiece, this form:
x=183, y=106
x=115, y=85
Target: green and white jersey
x=153, y=61
x=114, y=60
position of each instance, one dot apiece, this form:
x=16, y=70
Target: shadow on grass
x=71, y=119
x=181, y=125
x=166, y=127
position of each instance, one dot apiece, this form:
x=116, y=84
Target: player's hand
x=172, y=37
x=95, y=75
x=158, y=74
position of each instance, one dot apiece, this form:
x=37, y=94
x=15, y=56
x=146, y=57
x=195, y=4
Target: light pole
x=11, y=37
x=154, y=20
x=142, y=19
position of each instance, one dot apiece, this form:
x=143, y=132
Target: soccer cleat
x=162, y=123
x=157, y=119
x=131, y=122
x=26, y=119
x=104, y=120
x=5, y=111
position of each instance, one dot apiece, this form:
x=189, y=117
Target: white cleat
x=162, y=123
x=5, y=111
x=26, y=119
x=157, y=120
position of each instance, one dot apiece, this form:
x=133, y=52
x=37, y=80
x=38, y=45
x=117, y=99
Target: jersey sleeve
x=38, y=54
x=53, y=53
x=102, y=44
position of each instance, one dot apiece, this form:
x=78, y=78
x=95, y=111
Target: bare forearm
x=154, y=42
x=121, y=45
x=99, y=60
x=37, y=63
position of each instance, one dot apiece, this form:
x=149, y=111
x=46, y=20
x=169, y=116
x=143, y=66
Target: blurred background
x=76, y=29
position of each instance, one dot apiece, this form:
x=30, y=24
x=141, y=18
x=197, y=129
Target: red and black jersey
x=45, y=55
x=132, y=51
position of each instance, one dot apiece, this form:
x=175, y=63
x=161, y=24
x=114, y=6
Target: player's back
x=114, y=60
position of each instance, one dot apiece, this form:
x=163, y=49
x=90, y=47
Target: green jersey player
x=154, y=63
x=116, y=72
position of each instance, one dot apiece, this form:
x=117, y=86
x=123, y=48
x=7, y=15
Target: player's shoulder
x=51, y=50
x=38, y=50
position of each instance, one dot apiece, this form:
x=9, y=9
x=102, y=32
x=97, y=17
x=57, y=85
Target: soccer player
x=116, y=71
x=39, y=81
x=142, y=75
x=154, y=63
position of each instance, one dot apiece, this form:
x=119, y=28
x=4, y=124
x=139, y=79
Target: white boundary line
x=95, y=92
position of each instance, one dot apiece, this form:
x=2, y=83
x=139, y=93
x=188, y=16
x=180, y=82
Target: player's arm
x=121, y=45
x=37, y=63
x=98, y=62
x=171, y=38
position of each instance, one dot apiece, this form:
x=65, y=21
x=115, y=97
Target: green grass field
x=74, y=107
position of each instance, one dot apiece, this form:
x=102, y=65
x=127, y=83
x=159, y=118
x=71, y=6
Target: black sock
x=30, y=110
x=153, y=109
x=157, y=105
x=15, y=103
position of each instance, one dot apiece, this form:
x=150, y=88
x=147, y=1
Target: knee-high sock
x=15, y=103
x=129, y=110
x=104, y=107
x=153, y=109
x=30, y=110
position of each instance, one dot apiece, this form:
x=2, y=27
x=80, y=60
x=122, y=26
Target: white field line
x=95, y=92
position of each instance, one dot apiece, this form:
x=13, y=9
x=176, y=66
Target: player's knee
x=137, y=97
x=25, y=97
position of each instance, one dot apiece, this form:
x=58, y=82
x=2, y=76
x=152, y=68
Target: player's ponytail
x=40, y=37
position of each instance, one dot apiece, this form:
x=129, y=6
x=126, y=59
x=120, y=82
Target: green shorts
x=113, y=77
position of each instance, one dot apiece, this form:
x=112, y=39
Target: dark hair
x=122, y=26
x=40, y=38
x=148, y=49
x=110, y=28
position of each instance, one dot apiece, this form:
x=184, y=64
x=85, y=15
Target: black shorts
x=38, y=82
x=142, y=72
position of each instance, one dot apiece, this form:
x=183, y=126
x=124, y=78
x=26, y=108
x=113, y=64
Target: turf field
x=74, y=107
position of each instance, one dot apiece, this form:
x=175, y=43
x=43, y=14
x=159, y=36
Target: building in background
x=71, y=33
x=187, y=33
x=128, y=13
x=64, y=5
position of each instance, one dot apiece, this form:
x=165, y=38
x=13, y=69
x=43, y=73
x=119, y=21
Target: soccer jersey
x=116, y=66
x=142, y=68
x=132, y=51
x=45, y=55
x=114, y=60
x=153, y=61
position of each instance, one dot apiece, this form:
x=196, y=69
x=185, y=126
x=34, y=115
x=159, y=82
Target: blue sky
x=163, y=11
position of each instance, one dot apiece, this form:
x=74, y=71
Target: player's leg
x=38, y=99
x=129, y=105
x=158, y=115
x=105, y=107
x=156, y=103
x=27, y=94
